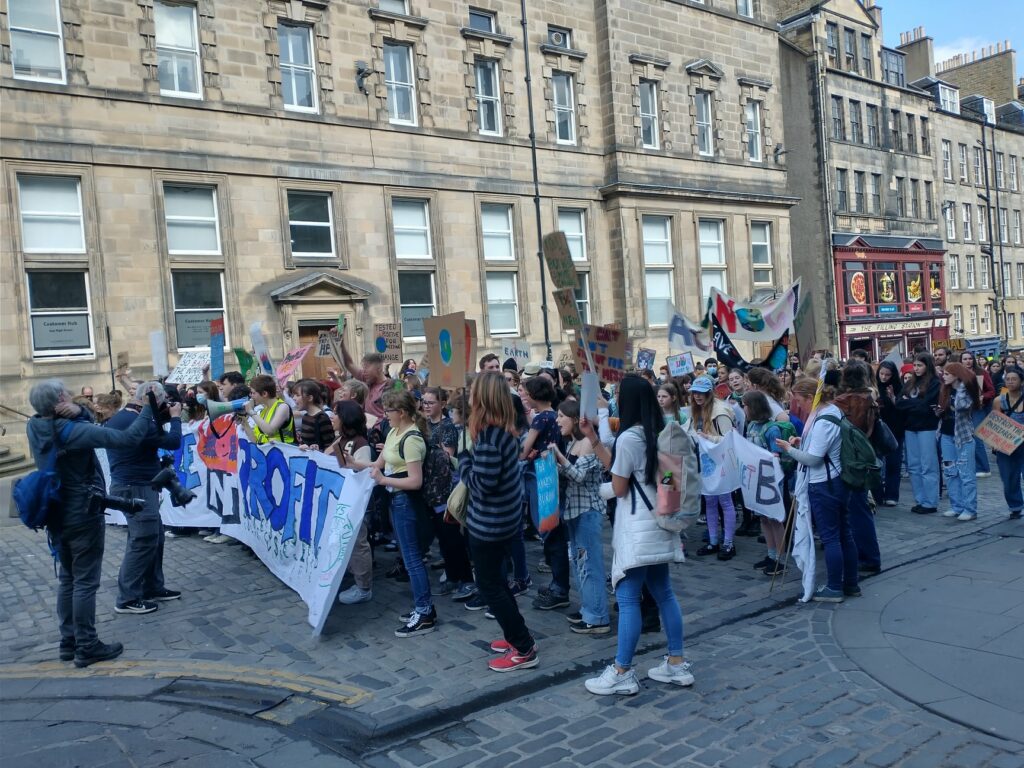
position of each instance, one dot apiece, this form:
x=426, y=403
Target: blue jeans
x=1011, y=470
x=980, y=449
x=586, y=554
x=404, y=521
x=862, y=528
x=958, y=468
x=923, y=465
x=627, y=592
x=891, y=465
x=829, y=501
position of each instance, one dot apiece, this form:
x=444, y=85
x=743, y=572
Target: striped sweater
x=492, y=476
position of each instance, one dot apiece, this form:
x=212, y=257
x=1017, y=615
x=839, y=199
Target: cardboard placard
x=606, y=347
x=291, y=363
x=680, y=365
x=216, y=349
x=387, y=341
x=447, y=349
x=1000, y=433
x=122, y=360
x=158, y=350
x=517, y=349
x=645, y=359
x=190, y=368
x=953, y=345
x=559, y=261
x=323, y=344
x=471, y=346
x=568, y=309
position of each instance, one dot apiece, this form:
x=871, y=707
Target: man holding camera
x=141, y=580
x=77, y=527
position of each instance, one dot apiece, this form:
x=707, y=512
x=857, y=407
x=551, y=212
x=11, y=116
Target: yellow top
x=415, y=449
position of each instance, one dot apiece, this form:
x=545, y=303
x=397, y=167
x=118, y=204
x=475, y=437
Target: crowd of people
x=483, y=442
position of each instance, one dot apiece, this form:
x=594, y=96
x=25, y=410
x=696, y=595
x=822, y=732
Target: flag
x=684, y=334
x=803, y=538
x=753, y=321
x=727, y=353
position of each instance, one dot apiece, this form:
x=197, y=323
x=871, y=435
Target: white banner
x=735, y=462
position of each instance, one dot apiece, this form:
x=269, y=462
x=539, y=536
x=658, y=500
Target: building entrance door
x=314, y=367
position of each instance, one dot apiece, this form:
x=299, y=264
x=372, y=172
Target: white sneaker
x=983, y=474
x=967, y=516
x=677, y=674
x=611, y=682
x=354, y=595
x=950, y=513
x=219, y=538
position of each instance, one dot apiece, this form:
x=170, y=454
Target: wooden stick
x=786, y=541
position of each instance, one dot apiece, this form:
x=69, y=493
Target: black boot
x=749, y=526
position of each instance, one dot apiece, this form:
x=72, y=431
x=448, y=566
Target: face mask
x=712, y=370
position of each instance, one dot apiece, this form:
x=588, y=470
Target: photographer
x=141, y=580
x=77, y=529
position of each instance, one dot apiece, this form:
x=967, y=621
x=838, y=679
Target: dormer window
x=989, y=108
x=949, y=99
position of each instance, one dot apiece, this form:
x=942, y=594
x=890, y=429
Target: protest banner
x=607, y=349
x=291, y=363
x=259, y=346
x=446, y=347
x=517, y=349
x=191, y=368
x=216, y=348
x=750, y=321
x=387, y=341
x=733, y=463
x=158, y=350
x=1000, y=433
x=645, y=359
x=246, y=364
x=953, y=345
x=727, y=353
x=559, y=261
x=547, y=492
x=568, y=309
x=681, y=364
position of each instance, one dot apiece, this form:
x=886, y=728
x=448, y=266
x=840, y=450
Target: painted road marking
x=317, y=687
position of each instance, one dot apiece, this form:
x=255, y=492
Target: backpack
x=756, y=434
x=437, y=474
x=36, y=496
x=678, y=502
x=861, y=469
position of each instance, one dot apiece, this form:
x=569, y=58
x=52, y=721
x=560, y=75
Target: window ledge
x=557, y=50
x=413, y=21
x=654, y=61
x=478, y=34
x=753, y=82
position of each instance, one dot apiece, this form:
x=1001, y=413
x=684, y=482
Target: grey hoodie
x=77, y=466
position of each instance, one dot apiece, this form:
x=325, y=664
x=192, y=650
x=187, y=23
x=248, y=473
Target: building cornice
x=704, y=194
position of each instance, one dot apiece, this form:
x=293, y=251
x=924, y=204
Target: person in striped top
x=494, y=513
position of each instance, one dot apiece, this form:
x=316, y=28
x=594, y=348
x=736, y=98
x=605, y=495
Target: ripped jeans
x=958, y=469
x=586, y=558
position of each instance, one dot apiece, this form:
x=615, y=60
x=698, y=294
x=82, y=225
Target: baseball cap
x=702, y=384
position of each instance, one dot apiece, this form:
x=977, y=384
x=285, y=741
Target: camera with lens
x=100, y=499
x=167, y=479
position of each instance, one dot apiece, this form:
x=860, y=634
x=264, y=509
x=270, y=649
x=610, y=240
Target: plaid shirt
x=583, y=489
x=963, y=425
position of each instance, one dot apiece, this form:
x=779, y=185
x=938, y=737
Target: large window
x=986, y=318
x=658, y=268
x=895, y=134
x=970, y=272
x=958, y=319
x=1016, y=228
x=198, y=299
x=400, y=83
x=411, y=223
x=648, y=92
x=893, y=68
x=954, y=272
x=838, y=124
x=298, y=75
x=565, y=107
x=915, y=198
x=929, y=202
x=866, y=60
x=1007, y=279
x=705, y=132
x=583, y=297
x=978, y=179
x=832, y=43
x=761, y=253
x=1020, y=279
x=962, y=155
x=502, y=303
x=1000, y=181
x=310, y=224
x=488, y=97
x=876, y=193
x=842, y=190
x=51, y=214
x=177, y=50
x=983, y=272
x=972, y=323
x=850, y=49
x=947, y=160
x=1004, y=226
x=712, y=258
x=59, y=314
x=874, y=138
x=982, y=223
x=949, y=213
x=901, y=197
x=416, y=298
x=496, y=225
x=949, y=99
x=911, y=134
x=856, y=129
x=967, y=220
x=37, y=41
x=745, y=8
x=926, y=146
x=191, y=216
x=858, y=192
x=573, y=222
x=752, y=112
x=1013, y=173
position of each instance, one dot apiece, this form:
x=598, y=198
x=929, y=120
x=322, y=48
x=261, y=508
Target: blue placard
x=547, y=492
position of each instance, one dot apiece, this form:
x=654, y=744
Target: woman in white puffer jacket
x=641, y=549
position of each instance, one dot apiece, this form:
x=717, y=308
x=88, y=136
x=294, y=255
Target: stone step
x=4, y=450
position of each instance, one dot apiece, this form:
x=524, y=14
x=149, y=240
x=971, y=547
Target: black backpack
x=437, y=474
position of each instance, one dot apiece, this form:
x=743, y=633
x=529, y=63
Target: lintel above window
x=654, y=61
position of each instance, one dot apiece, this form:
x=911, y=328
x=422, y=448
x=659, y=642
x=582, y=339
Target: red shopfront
x=891, y=293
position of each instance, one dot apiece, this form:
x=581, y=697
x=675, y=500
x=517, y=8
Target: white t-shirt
x=775, y=406
x=824, y=439
x=630, y=459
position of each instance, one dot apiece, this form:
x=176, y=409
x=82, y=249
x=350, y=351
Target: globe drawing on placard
x=445, y=339
x=381, y=345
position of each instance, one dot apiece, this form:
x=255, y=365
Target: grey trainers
x=355, y=595
x=677, y=674
x=611, y=682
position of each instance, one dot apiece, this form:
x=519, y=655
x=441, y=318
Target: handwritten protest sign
x=568, y=309
x=547, y=493
x=681, y=364
x=158, y=349
x=517, y=349
x=216, y=348
x=645, y=359
x=190, y=368
x=259, y=346
x=291, y=363
x=559, y=261
x=387, y=341
x=323, y=344
x=737, y=463
x=607, y=347
x=1000, y=433
x=446, y=347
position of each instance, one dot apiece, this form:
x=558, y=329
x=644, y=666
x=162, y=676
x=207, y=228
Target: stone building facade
x=287, y=161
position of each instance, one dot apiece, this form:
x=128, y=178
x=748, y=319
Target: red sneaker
x=501, y=646
x=513, y=659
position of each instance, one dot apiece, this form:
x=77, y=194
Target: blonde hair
x=491, y=404
x=402, y=400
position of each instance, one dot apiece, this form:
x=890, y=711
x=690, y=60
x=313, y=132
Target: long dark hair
x=922, y=383
x=895, y=381
x=638, y=406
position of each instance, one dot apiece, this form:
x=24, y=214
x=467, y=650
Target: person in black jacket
x=919, y=402
x=890, y=388
x=77, y=529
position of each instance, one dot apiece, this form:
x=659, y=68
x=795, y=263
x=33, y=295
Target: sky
x=954, y=28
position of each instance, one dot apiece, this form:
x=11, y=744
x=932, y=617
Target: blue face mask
x=712, y=370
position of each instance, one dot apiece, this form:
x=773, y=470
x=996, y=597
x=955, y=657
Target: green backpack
x=861, y=469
